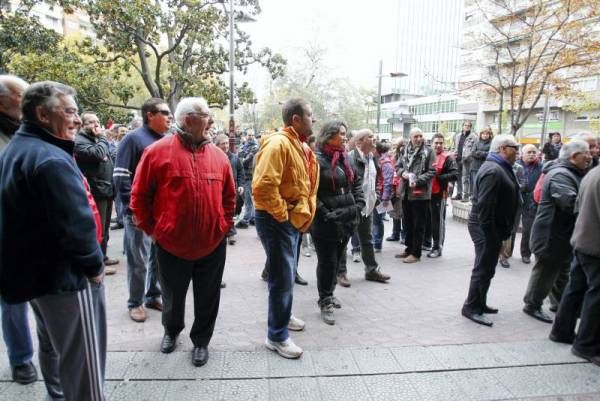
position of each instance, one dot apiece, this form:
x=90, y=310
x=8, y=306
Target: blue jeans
x=377, y=230
x=280, y=241
x=142, y=278
x=17, y=336
x=248, y=203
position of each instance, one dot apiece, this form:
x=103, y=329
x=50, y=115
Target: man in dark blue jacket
x=496, y=200
x=139, y=249
x=49, y=252
x=532, y=169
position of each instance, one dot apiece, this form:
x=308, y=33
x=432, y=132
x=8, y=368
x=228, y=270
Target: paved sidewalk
x=399, y=341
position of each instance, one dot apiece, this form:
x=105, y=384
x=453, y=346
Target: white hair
x=573, y=147
x=362, y=133
x=10, y=84
x=500, y=141
x=189, y=105
x=415, y=130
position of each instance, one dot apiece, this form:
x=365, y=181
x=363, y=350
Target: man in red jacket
x=183, y=196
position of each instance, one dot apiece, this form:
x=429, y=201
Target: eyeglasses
x=163, y=112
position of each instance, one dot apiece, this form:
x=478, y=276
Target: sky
x=355, y=34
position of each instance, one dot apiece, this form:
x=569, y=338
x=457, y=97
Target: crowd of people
x=177, y=187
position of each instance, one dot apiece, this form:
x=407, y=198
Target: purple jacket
x=385, y=182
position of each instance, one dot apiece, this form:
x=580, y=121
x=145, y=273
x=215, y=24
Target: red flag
x=109, y=123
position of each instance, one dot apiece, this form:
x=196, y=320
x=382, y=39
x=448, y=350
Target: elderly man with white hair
x=553, y=226
x=183, y=196
x=532, y=169
x=496, y=200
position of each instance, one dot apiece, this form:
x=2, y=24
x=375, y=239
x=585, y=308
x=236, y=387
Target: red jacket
x=184, y=199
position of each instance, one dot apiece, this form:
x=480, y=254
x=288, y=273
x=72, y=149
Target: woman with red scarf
x=339, y=202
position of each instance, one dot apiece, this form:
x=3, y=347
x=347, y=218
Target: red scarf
x=335, y=152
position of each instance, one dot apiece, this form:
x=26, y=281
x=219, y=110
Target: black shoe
x=558, y=339
x=299, y=280
x=490, y=310
x=478, y=318
x=553, y=308
x=223, y=284
x=252, y=223
x=392, y=238
x=426, y=247
x=199, y=356
x=526, y=259
x=264, y=275
x=25, y=373
x=538, y=314
x=595, y=359
x=168, y=344
x=117, y=226
x=435, y=253
x=241, y=224
x=504, y=263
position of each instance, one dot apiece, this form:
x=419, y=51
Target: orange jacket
x=286, y=178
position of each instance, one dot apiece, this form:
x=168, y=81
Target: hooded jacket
x=555, y=217
x=285, y=179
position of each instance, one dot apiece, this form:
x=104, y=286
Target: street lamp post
x=231, y=73
x=379, y=77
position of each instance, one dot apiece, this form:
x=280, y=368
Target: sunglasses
x=163, y=112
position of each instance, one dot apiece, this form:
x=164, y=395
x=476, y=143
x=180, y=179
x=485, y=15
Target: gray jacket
x=468, y=146
x=422, y=165
x=586, y=234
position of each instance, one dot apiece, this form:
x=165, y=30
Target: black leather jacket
x=338, y=202
x=94, y=160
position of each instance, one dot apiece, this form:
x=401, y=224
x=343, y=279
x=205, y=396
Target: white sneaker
x=286, y=349
x=296, y=324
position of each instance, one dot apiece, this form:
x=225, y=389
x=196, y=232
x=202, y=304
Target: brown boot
x=137, y=314
x=377, y=276
x=411, y=259
x=343, y=281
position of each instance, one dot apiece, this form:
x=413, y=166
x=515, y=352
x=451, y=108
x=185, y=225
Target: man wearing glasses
x=139, y=250
x=496, y=200
x=183, y=196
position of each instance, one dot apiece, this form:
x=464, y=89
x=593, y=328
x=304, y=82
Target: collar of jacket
x=569, y=166
x=7, y=125
x=188, y=142
x=91, y=137
x=31, y=129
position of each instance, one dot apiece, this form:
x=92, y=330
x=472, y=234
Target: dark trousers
x=582, y=293
x=206, y=274
x=549, y=275
x=459, y=182
x=363, y=230
x=415, y=215
x=438, y=220
x=239, y=203
x=427, y=234
x=487, y=250
x=398, y=228
x=105, y=209
x=527, y=218
x=330, y=252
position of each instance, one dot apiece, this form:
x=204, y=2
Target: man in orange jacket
x=284, y=187
x=183, y=197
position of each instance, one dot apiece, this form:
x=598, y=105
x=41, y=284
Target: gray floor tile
x=480, y=385
x=282, y=367
x=391, y=387
x=198, y=390
x=375, y=360
x=300, y=389
x=245, y=365
x=487, y=356
x=140, y=391
x=437, y=386
x=182, y=368
x=450, y=356
x=414, y=359
x=14, y=391
x=334, y=363
x=525, y=381
x=152, y=365
x=5, y=372
x=244, y=390
x=350, y=388
x=573, y=379
x=117, y=364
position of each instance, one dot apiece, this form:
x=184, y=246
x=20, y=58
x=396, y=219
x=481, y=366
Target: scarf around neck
x=335, y=152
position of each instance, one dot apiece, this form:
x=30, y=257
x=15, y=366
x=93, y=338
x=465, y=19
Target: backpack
x=537, y=191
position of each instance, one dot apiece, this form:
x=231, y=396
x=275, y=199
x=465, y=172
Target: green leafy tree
x=177, y=47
